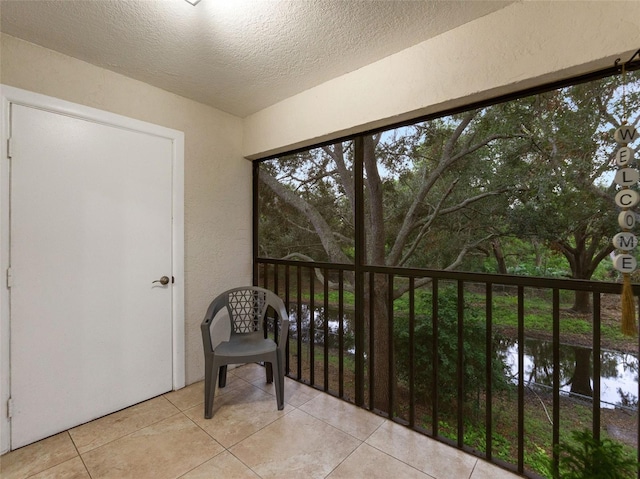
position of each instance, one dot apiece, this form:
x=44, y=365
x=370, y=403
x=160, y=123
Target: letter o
x=627, y=219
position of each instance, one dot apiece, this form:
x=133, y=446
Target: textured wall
x=525, y=44
x=217, y=179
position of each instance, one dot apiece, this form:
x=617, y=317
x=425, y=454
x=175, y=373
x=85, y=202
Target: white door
x=90, y=232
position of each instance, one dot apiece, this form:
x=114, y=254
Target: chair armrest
x=216, y=305
x=284, y=332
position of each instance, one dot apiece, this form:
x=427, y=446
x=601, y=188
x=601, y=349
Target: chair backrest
x=246, y=308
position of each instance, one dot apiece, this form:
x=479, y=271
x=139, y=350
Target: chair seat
x=246, y=345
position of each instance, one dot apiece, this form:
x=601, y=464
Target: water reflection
x=334, y=324
x=618, y=371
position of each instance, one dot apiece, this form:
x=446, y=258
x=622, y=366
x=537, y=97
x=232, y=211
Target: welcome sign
x=626, y=241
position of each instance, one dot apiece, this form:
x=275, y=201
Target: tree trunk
x=379, y=357
x=499, y=255
x=581, y=381
x=582, y=302
x=537, y=251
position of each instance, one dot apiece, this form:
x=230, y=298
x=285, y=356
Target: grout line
x=79, y=455
x=473, y=469
x=341, y=462
x=244, y=464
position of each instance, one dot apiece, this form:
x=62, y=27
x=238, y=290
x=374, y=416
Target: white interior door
x=90, y=230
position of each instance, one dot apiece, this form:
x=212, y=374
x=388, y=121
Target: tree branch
x=321, y=227
x=318, y=272
x=427, y=224
x=463, y=252
x=346, y=178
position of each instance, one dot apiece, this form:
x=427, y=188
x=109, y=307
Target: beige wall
x=525, y=44
x=217, y=179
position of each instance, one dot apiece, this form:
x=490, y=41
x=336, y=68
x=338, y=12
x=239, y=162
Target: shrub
x=589, y=458
x=475, y=359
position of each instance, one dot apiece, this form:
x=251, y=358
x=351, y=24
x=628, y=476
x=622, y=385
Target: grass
x=538, y=315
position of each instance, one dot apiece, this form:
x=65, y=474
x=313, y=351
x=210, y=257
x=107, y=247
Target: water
x=618, y=372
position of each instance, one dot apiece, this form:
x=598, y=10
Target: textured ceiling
x=236, y=55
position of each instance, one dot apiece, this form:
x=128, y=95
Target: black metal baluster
x=596, y=365
x=390, y=366
x=460, y=365
x=556, y=378
x=299, y=319
x=341, y=332
x=372, y=349
x=520, y=379
x=326, y=329
x=312, y=328
x=434, y=358
x=412, y=347
x=489, y=371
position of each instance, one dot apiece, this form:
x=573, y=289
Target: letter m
x=626, y=243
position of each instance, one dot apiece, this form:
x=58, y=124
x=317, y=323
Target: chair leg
x=210, y=387
x=281, y=369
x=269, y=369
x=222, y=380
x=279, y=383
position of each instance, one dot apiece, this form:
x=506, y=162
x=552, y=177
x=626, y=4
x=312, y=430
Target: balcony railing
x=496, y=365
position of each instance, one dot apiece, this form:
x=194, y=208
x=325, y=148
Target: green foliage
x=447, y=324
x=538, y=461
x=529, y=269
x=588, y=458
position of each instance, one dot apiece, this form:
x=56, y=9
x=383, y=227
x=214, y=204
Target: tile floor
x=315, y=436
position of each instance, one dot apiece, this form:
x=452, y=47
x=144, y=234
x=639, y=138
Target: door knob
x=164, y=280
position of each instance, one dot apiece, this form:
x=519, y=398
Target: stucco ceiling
x=239, y=56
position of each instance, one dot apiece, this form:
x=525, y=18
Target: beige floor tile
x=224, y=465
x=187, y=397
x=343, y=415
x=37, y=457
x=164, y=450
x=368, y=462
x=485, y=470
x=193, y=395
x=295, y=393
x=238, y=414
x=250, y=372
x=297, y=445
x=430, y=456
x=72, y=469
x=108, y=428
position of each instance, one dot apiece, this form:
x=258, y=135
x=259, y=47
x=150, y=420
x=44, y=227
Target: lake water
x=618, y=372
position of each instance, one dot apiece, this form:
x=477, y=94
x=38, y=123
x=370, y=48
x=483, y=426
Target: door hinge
x=173, y=280
x=9, y=277
x=9, y=148
x=10, y=407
